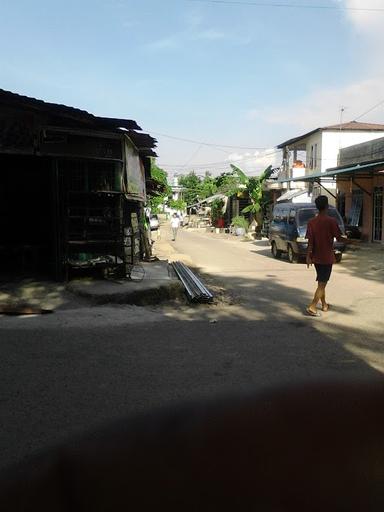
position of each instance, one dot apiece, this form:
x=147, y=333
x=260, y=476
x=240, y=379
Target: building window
x=356, y=213
x=311, y=159
x=341, y=204
x=315, y=157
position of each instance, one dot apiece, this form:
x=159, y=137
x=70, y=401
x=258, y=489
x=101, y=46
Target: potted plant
x=240, y=224
x=217, y=212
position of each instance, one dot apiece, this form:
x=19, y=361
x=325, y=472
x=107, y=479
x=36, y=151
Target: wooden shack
x=72, y=189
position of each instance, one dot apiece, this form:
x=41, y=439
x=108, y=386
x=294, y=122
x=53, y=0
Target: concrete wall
x=332, y=142
x=365, y=152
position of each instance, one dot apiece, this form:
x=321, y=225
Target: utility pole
x=342, y=110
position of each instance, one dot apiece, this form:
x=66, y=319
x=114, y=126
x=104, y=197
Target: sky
x=235, y=78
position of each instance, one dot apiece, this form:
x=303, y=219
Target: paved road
x=277, y=288
x=81, y=368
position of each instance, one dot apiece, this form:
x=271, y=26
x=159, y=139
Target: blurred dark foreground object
x=23, y=310
x=309, y=448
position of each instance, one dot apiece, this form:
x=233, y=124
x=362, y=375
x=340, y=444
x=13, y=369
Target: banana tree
x=255, y=188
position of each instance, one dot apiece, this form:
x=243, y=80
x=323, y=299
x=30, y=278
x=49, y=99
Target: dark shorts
x=323, y=272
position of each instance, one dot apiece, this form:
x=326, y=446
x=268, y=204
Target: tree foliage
x=227, y=183
x=177, y=204
x=208, y=186
x=159, y=175
x=197, y=188
x=190, y=183
x=216, y=210
x=254, y=187
x=158, y=197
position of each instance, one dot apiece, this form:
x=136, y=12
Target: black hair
x=321, y=203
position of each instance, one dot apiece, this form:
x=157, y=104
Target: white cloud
x=365, y=22
x=321, y=107
x=164, y=43
x=180, y=39
x=258, y=161
x=194, y=19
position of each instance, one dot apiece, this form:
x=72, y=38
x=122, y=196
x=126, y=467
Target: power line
x=370, y=110
x=192, y=156
x=291, y=6
x=224, y=165
x=225, y=162
x=210, y=144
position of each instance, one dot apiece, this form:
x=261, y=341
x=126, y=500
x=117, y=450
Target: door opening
x=378, y=210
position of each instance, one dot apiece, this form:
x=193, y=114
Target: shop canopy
x=366, y=170
x=291, y=194
x=209, y=200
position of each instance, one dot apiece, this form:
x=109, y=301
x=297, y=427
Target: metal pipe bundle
x=196, y=291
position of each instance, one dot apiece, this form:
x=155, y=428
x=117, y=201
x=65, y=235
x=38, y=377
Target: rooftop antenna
x=342, y=110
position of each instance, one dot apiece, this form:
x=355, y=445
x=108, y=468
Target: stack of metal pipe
x=194, y=288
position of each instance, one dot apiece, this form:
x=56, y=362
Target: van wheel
x=292, y=258
x=338, y=257
x=275, y=251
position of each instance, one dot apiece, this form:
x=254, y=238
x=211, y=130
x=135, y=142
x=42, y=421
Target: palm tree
x=255, y=188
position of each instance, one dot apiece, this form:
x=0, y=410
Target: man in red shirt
x=321, y=232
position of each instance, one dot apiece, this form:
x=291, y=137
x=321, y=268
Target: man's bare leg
x=319, y=296
x=324, y=304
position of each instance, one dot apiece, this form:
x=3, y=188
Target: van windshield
x=306, y=214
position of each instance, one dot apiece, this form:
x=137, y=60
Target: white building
x=314, y=153
x=177, y=190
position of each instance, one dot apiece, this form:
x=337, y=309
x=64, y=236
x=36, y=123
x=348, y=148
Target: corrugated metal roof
x=287, y=196
x=356, y=125
x=336, y=171
x=209, y=200
x=351, y=126
x=354, y=169
x=143, y=142
x=307, y=177
x=11, y=98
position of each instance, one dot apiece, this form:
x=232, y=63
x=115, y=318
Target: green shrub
x=240, y=222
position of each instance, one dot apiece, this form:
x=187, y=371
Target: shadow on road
x=268, y=299
x=56, y=382
x=365, y=261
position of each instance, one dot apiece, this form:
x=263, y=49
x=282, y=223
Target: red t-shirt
x=321, y=232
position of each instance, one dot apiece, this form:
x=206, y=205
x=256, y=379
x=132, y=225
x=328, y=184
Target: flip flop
x=312, y=313
x=326, y=309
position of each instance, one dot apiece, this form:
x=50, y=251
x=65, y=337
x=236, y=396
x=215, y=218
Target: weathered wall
x=368, y=184
x=332, y=142
x=365, y=152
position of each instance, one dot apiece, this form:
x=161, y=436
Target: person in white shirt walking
x=175, y=224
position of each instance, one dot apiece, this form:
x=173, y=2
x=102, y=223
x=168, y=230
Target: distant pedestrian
x=321, y=232
x=175, y=224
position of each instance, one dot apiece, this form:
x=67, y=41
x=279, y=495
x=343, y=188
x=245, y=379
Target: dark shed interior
x=64, y=195
x=27, y=219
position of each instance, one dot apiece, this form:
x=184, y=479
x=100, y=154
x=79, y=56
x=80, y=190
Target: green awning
x=360, y=170
x=366, y=169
